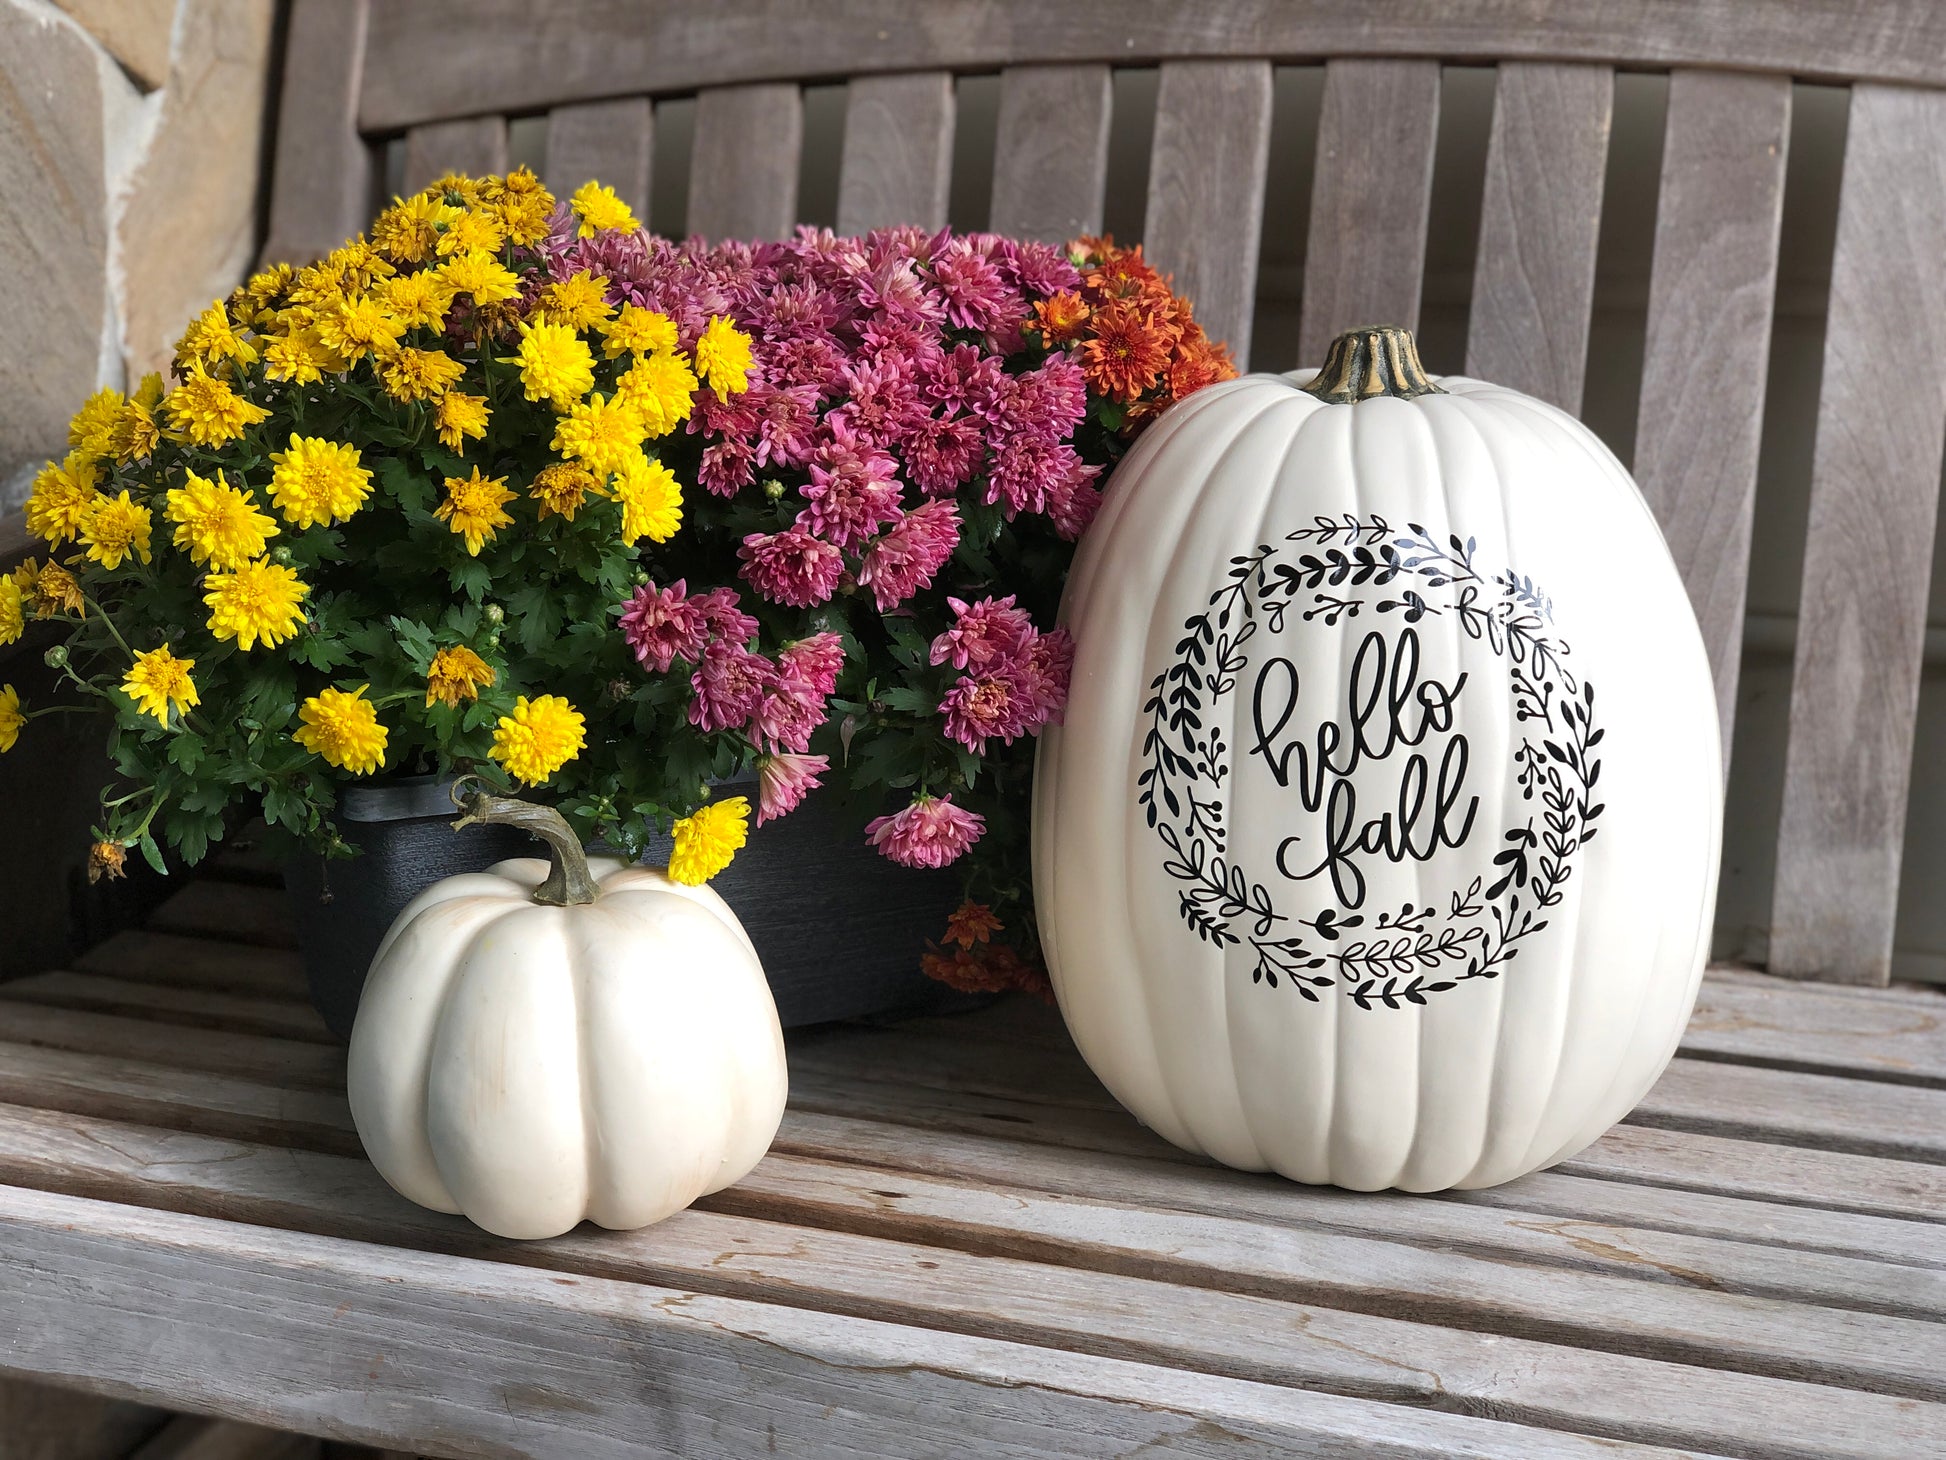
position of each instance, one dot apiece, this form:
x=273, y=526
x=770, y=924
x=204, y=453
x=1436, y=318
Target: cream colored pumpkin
x=1379, y=844
x=533, y=1065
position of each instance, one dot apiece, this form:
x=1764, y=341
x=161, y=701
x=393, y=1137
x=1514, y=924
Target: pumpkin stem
x=1379, y=359
x=568, y=881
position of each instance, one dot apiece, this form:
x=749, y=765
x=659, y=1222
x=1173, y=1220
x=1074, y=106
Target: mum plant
x=514, y=489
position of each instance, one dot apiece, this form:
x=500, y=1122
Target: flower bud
x=281, y=555
x=773, y=489
x=495, y=614
x=57, y=657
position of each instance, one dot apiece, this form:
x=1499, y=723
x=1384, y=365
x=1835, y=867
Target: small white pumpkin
x=536, y=1046
x=1379, y=845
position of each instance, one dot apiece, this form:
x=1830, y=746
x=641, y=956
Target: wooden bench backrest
x=446, y=74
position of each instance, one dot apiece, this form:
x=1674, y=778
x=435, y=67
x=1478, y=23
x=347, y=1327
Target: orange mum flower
x=1129, y=350
x=1060, y=319
x=971, y=922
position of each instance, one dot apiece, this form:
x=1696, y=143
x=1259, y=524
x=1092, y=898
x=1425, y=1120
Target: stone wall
x=131, y=149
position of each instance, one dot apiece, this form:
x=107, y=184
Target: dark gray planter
x=839, y=929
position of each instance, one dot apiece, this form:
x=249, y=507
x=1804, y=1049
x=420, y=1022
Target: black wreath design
x=1398, y=957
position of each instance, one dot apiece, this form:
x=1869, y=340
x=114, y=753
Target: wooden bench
x=960, y=1245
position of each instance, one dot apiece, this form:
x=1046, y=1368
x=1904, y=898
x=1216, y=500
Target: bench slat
x=1050, y=152
x=1206, y=190
x=743, y=162
x=1370, y=198
x=165, y=1004
x=201, y=963
x=296, y=1063
x=1711, y=288
x=324, y=175
x=1534, y=275
x=1874, y=495
x=229, y=912
x=603, y=141
x=1804, y=1027
x=1212, y=1331
x=105, y=1293
x=474, y=146
x=897, y=165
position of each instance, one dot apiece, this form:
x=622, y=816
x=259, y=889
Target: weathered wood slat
x=228, y=912
x=938, y=1287
x=45, y=1422
x=1711, y=289
x=1534, y=274
x=1874, y=498
x=897, y=165
x=159, y=1303
x=1803, y=1027
x=743, y=162
x=1742, y=1264
x=199, y=963
x=1831, y=1180
x=291, y=1062
x=1370, y=196
x=191, y=1437
x=165, y=1004
x=1206, y=190
x=324, y=175
x=473, y=146
x=1050, y=152
x=608, y=48
x=602, y=141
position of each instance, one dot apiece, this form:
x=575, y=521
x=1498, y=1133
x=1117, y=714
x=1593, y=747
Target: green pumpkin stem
x=1379, y=359
x=569, y=882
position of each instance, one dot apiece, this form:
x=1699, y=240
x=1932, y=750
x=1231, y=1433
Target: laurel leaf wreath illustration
x=1398, y=957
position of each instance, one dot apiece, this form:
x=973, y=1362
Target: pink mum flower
x=791, y=567
x=726, y=621
x=978, y=296
x=816, y=660
x=904, y=560
x=941, y=452
x=984, y=634
x=784, y=780
x=789, y=713
x=729, y=685
x=853, y=491
x=931, y=832
x=662, y=625
x=1045, y=670
x=992, y=705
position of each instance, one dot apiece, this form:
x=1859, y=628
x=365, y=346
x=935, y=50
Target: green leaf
x=472, y=578
x=416, y=640
x=186, y=750
x=907, y=700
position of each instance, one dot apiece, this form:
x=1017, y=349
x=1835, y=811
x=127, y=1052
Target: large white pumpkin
x=531, y=1065
x=1379, y=845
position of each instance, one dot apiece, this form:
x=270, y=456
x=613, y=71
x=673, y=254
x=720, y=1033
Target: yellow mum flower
x=116, y=527
x=51, y=589
x=472, y=231
x=412, y=375
x=457, y=674
x=481, y=276
x=723, y=356
x=262, y=290
x=538, y=738
x=599, y=209
x=10, y=717
x=62, y=498
x=217, y=524
x=580, y=302
x=525, y=216
x=458, y=416
x=321, y=284
x=638, y=331
x=13, y=616
x=135, y=436
x=212, y=339
x=299, y=356
x=358, y=325
x=457, y=186
x=651, y=501
x=660, y=389
x=408, y=231
x=420, y=299
x=707, y=841
x=344, y=729
x=256, y=601
x=318, y=482
x=475, y=508
x=560, y=488
x=158, y=681
x=603, y=434
x=92, y=431
x=555, y=364
x=207, y=412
